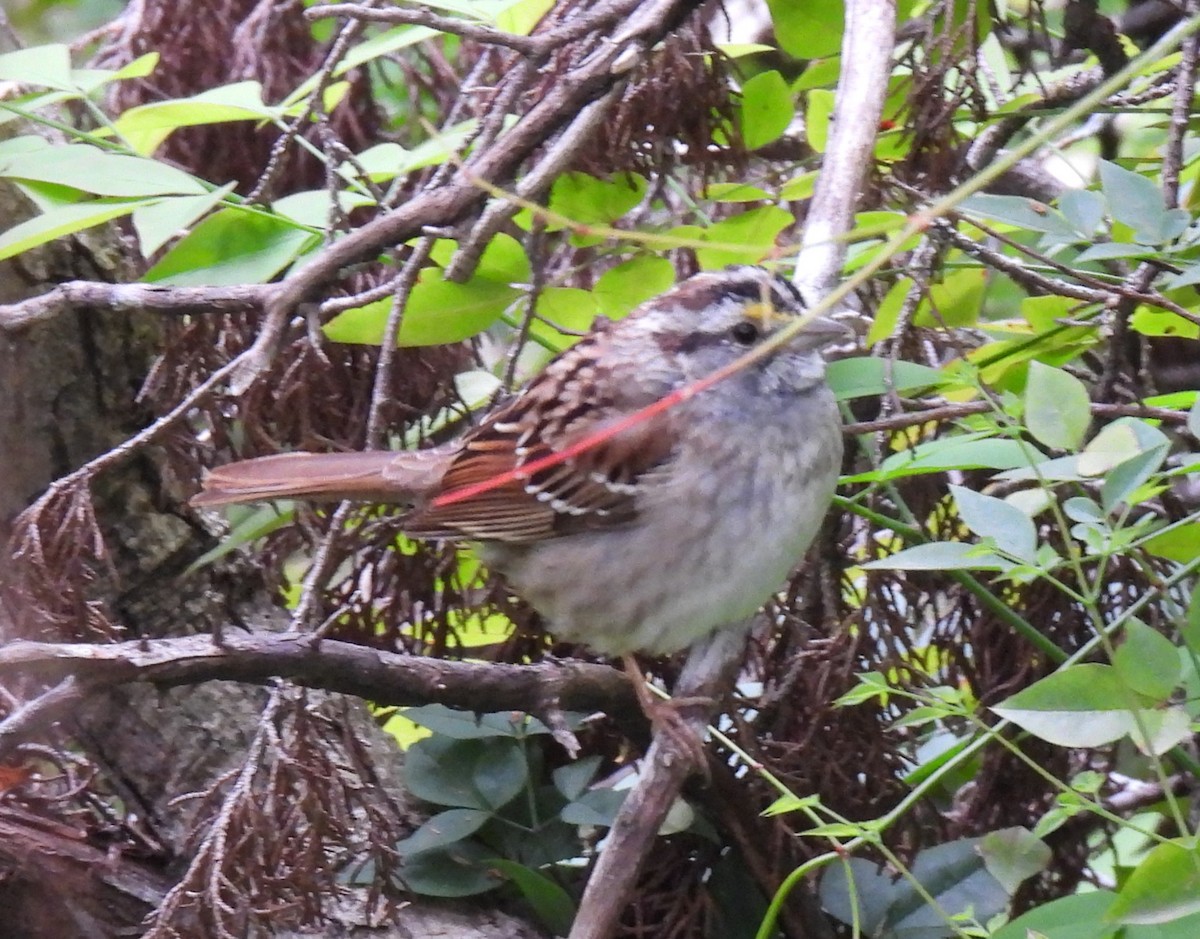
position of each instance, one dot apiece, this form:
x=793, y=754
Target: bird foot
x=666, y=717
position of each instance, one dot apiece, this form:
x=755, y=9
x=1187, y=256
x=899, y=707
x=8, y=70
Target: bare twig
x=954, y=412
x=386, y=678
x=87, y=295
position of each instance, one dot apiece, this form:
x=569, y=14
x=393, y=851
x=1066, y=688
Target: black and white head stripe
x=755, y=284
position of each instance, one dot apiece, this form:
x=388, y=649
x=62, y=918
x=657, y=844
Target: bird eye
x=744, y=332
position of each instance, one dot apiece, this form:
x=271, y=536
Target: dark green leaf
x=466, y=725
x=596, y=807
x=438, y=770
x=572, y=779
x=458, y=871
x=553, y=905
x=442, y=830
x=500, y=772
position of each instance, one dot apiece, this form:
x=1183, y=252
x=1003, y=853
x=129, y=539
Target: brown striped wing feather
x=594, y=489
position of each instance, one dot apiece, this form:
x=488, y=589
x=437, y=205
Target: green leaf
x=1152, y=322
x=591, y=201
x=1179, y=544
x=501, y=772
x=573, y=779
x=1077, y=706
x=1191, y=621
x=64, y=220
x=1147, y=661
x=968, y=451
x=808, y=30
x=234, y=246
x=766, y=109
x=443, y=829
x=310, y=207
x=818, y=113
x=1116, y=443
x=954, y=874
x=146, y=126
x=438, y=770
x=1084, y=209
x=735, y=192
x=568, y=308
x=1080, y=916
x=1158, y=730
x=1114, y=250
x=622, y=288
x=989, y=517
x=158, y=223
x=941, y=556
x=1021, y=212
x=553, y=905
x=247, y=525
x=1013, y=855
x=1164, y=887
x=465, y=725
x=1135, y=201
x=48, y=66
x=596, y=808
x=860, y=376
x=790, y=803
x=1057, y=407
x=438, y=312
x=746, y=238
x=460, y=870
x=90, y=169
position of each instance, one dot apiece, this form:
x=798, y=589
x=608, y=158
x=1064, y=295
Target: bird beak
x=818, y=331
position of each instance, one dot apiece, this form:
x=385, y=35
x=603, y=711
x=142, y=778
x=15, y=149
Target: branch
x=86, y=295
x=708, y=675
x=954, y=412
x=385, y=678
x=496, y=164
x=868, y=42
x=713, y=663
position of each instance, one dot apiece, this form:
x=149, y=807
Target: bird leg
x=665, y=716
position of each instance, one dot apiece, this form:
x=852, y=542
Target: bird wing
x=596, y=488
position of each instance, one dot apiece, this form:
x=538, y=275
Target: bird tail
x=370, y=476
